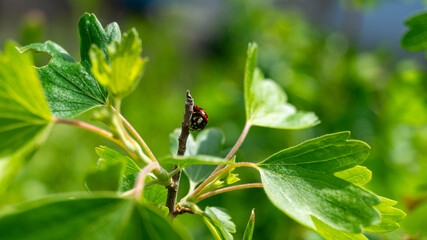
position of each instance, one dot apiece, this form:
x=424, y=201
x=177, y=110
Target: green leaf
x=300, y=181
x=155, y=194
x=357, y=175
x=107, y=154
x=87, y=217
x=24, y=113
x=114, y=171
x=221, y=221
x=91, y=33
x=415, y=39
x=208, y=142
x=249, y=231
x=182, y=161
x=266, y=103
x=330, y=233
x=70, y=87
x=122, y=72
x=390, y=217
x=107, y=177
x=128, y=182
x=123, y=179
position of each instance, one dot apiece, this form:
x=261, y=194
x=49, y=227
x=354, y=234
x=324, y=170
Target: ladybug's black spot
x=199, y=119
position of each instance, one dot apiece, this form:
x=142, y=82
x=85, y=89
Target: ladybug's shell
x=199, y=119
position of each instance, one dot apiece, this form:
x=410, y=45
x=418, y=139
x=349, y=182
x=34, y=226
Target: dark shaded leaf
x=87, y=217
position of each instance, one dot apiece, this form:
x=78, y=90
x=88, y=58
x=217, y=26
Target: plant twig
x=137, y=136
x=139, y=183
x=216, y=174
x=94, y=129
x=236, y=145
x=185, y=131
x=239, y=141
x=228, y=189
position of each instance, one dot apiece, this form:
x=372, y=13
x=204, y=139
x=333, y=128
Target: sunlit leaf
x=330, y=233
x=249, y=231
x=221, y=221
x=70, y=87
x=24, y=113
x=357, y=175
x=87, y=217
x=415, y=39
x=122, y=72
x=266, y=103
x=390, y=217
x=300, y=181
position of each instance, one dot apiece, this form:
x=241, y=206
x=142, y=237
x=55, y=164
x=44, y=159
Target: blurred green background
x=340, y=59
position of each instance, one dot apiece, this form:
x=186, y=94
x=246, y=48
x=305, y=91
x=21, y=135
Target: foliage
x=331, y=198
x=87, y=217
x=70, y=87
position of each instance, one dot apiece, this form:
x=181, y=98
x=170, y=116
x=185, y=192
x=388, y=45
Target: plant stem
x=216, y=174
x=185, y=131
x=139, y=183
x=131, y=191
x=137, y=136
x=236, y=145
x=94, y=129
x=239, y=141
x=123, y=135
x=228, y=189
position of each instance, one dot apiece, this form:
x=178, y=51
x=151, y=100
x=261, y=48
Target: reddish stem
x=218, y=173
x=228, y=189
x=94, y=129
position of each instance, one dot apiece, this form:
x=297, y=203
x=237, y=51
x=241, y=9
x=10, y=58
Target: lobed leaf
x=415, y=39
x=357, y=175
x=87, y=217
x=221, y=221
x=301, y=182
x=390, y=217
x=122, y=174
x=107, y=177
x=114, y=171
x=70, y=87
x=155, y=194
x=24, y=112
x=107, y=154
x=330, y=233
x=266, y=103
x=123, y=70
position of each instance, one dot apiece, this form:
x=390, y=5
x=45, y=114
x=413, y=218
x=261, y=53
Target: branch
x=139, y=183
x=185, y=131
x=239, y=141
x=215, y=175
x=137, y=136
x=96, y=130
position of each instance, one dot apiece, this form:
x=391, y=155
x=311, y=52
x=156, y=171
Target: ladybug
x=199, y=119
